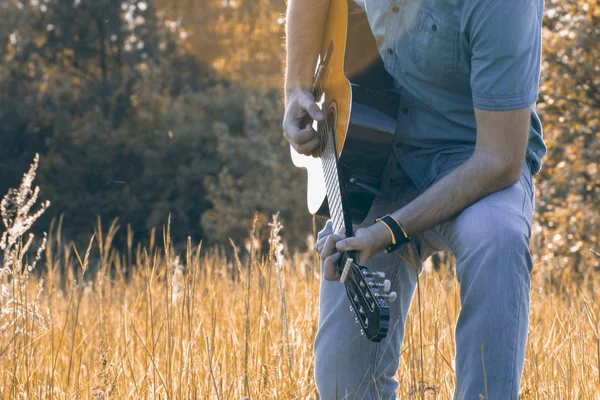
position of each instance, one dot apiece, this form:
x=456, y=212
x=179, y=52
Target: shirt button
x=434, y=27
x=405, y=110
x=395, y=9
x=390, y=51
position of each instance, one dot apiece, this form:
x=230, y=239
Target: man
x=460, y=179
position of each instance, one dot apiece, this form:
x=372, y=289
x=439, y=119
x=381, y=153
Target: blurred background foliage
x=136, y=115
x=144, y=108
x=567, y=230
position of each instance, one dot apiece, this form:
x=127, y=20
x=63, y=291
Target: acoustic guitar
x=356, y=94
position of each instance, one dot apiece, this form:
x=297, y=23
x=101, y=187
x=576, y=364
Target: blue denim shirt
x=449, y=57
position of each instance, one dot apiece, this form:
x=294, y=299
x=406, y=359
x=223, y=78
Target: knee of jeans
x=500, y=228
x=501, y=235
x=505, y=232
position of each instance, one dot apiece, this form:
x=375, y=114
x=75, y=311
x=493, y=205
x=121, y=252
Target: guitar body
x=354, y=91
x=360, y=108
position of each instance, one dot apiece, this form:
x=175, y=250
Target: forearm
x=495, y=164
x=481, y=175
x=304, y=32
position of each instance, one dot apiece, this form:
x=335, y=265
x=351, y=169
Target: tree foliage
x=241, y=39
x=127, y=121
x=569, y=185
x=257, y=176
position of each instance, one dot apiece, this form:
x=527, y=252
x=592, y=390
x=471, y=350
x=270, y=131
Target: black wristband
x=399, y=236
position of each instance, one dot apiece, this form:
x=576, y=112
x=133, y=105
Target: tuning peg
x=373, y=274
x=362, y=332
x=386, y=285
x=391, y=297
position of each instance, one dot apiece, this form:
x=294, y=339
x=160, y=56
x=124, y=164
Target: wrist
x=382, y=236
x=292, y=89
x=398, y=235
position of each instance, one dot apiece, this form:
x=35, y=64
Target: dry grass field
x=200, y=327
x=157, y=324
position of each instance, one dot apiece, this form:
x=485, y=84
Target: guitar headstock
x=368, y=295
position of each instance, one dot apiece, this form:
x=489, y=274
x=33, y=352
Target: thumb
x=307, y=102
x=351, y=243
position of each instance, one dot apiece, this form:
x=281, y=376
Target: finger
x=352, y=243
x=306, y=148
x=330, y=245
x=330, y=270
x=302, y=136
x=319, y=246
x=308, y=103
x=324, y=238
x=321, y=242
x=290, y=126
x=294, y=118
x=309, y=147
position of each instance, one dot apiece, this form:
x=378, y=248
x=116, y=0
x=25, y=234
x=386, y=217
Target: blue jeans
x=490, y=241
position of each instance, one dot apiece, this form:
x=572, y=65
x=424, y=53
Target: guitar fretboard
x=330, y=171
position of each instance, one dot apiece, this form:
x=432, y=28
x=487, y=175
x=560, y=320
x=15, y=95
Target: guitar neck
x=335, y=199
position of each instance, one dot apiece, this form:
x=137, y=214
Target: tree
x=569, y=186
x=241, y=39
x=257, y=176
x=131, y=125
x=116, y=106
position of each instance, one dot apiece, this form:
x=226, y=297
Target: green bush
x=130, y=125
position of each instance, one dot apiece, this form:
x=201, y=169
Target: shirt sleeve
x=505, y=54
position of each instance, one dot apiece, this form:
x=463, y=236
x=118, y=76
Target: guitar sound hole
x=330, y=121
x=324, y=140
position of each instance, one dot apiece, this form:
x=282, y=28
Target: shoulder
x=486, y=9
x=506, y=17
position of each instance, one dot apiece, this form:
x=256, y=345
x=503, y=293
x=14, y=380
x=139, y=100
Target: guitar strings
x=334, y=196
x=329, y=161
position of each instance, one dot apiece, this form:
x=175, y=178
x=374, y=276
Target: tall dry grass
x=157, y=324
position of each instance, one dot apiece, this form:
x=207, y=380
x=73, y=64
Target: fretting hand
x=366, y=242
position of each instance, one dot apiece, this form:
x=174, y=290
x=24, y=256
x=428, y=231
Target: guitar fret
x=330, y=171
